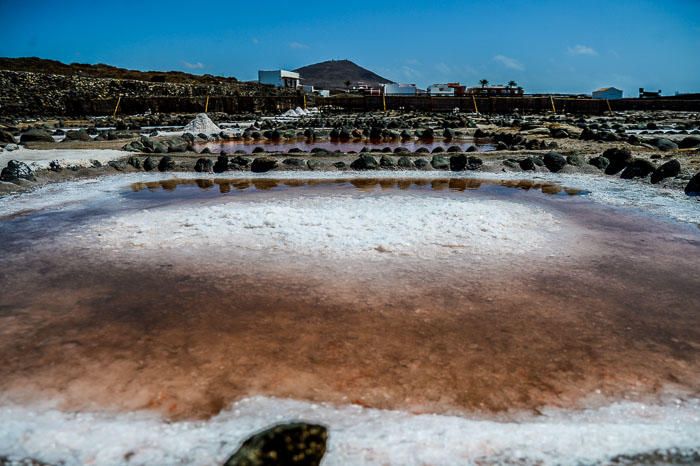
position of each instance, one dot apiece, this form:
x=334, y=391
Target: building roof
x=603, y=89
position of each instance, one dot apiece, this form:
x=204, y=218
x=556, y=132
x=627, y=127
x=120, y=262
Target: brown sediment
x=185, y=342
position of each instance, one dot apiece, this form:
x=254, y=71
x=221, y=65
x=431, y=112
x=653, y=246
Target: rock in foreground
x=285, y=444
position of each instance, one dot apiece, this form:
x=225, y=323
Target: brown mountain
x=41, y=65
x=333, y=74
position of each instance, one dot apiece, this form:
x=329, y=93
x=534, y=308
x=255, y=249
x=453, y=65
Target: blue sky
x=557, y=46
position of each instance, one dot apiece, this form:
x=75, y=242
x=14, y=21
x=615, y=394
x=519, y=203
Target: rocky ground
x=661, y=148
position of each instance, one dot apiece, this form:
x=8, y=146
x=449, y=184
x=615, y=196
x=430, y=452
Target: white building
x=279, y=78
x=312, y=90
x=441, y=89
x=608, y=93
x=399, y=89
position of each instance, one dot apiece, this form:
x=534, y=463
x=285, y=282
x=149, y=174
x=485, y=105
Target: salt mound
x=201, y=124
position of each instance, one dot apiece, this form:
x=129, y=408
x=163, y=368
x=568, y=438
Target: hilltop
x=333, y=74
x=42, y=65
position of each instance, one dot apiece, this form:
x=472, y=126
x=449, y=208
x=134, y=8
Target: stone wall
x=39, y=94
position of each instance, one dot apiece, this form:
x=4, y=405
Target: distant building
x=279, y=78
x=648, y=94
x=308, y=89
x=608, y=93
x=399, y=89
x=364, y=88
x=496, y=91
x=459, y=90
x=441, y=89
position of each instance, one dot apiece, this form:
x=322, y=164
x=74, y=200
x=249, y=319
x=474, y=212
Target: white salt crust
x=335, y=227
x=358, y=436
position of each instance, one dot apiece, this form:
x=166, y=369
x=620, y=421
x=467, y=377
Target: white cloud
x=297, y=45
x=582, y=50
x=193, y=66
x=508, y=62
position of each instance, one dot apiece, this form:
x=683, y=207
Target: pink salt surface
x=611, y=314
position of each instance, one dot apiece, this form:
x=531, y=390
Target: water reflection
x=362, y=184
x=304, y=145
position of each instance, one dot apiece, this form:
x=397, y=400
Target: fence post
x=551, y=99
x=476, y=109
x=116, y=107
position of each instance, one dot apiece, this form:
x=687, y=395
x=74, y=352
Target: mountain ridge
x=333, y=74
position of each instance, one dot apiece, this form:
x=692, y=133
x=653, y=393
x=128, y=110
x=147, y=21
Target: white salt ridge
x=42, y=158
x=339, y=226
x=201, y=124
x=358, y=436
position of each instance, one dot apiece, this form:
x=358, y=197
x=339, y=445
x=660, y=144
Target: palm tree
x=512, y=84
x=484, y=82
x=347, y=84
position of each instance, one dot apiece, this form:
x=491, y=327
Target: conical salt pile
x=201, y=124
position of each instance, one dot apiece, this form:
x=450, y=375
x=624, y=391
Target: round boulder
x=638, y=168
x=263, y=164
x=36, y=135
x=364, y=162
x=669, y=169
x=554, y=161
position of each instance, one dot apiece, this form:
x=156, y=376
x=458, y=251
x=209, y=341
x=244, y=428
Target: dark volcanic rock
x=599, y=162
x=294, y=162
x=559, y=133
x=439, y=162
x=16, y=170
x=166, y=164
x=576, y=160
x=422, y=164
x=117, y=164
x=36, y=135
x=554, y=161
x=364, y=162
x=528, y=164
x=405, y=162
x=689, y=142
x=474, y=163
x=458, y=163
x=238, y=162
x=79, y=135
x=295, y=444
x=6, y=137
x=203, y=165
x=263, y=164
x=149, y=164
x=221, y=164
x=134, y=162
x=663, y=144
x=619, y=158
x=693, y=186
x=638, y=168
x=387, y=162
x=669, y=169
